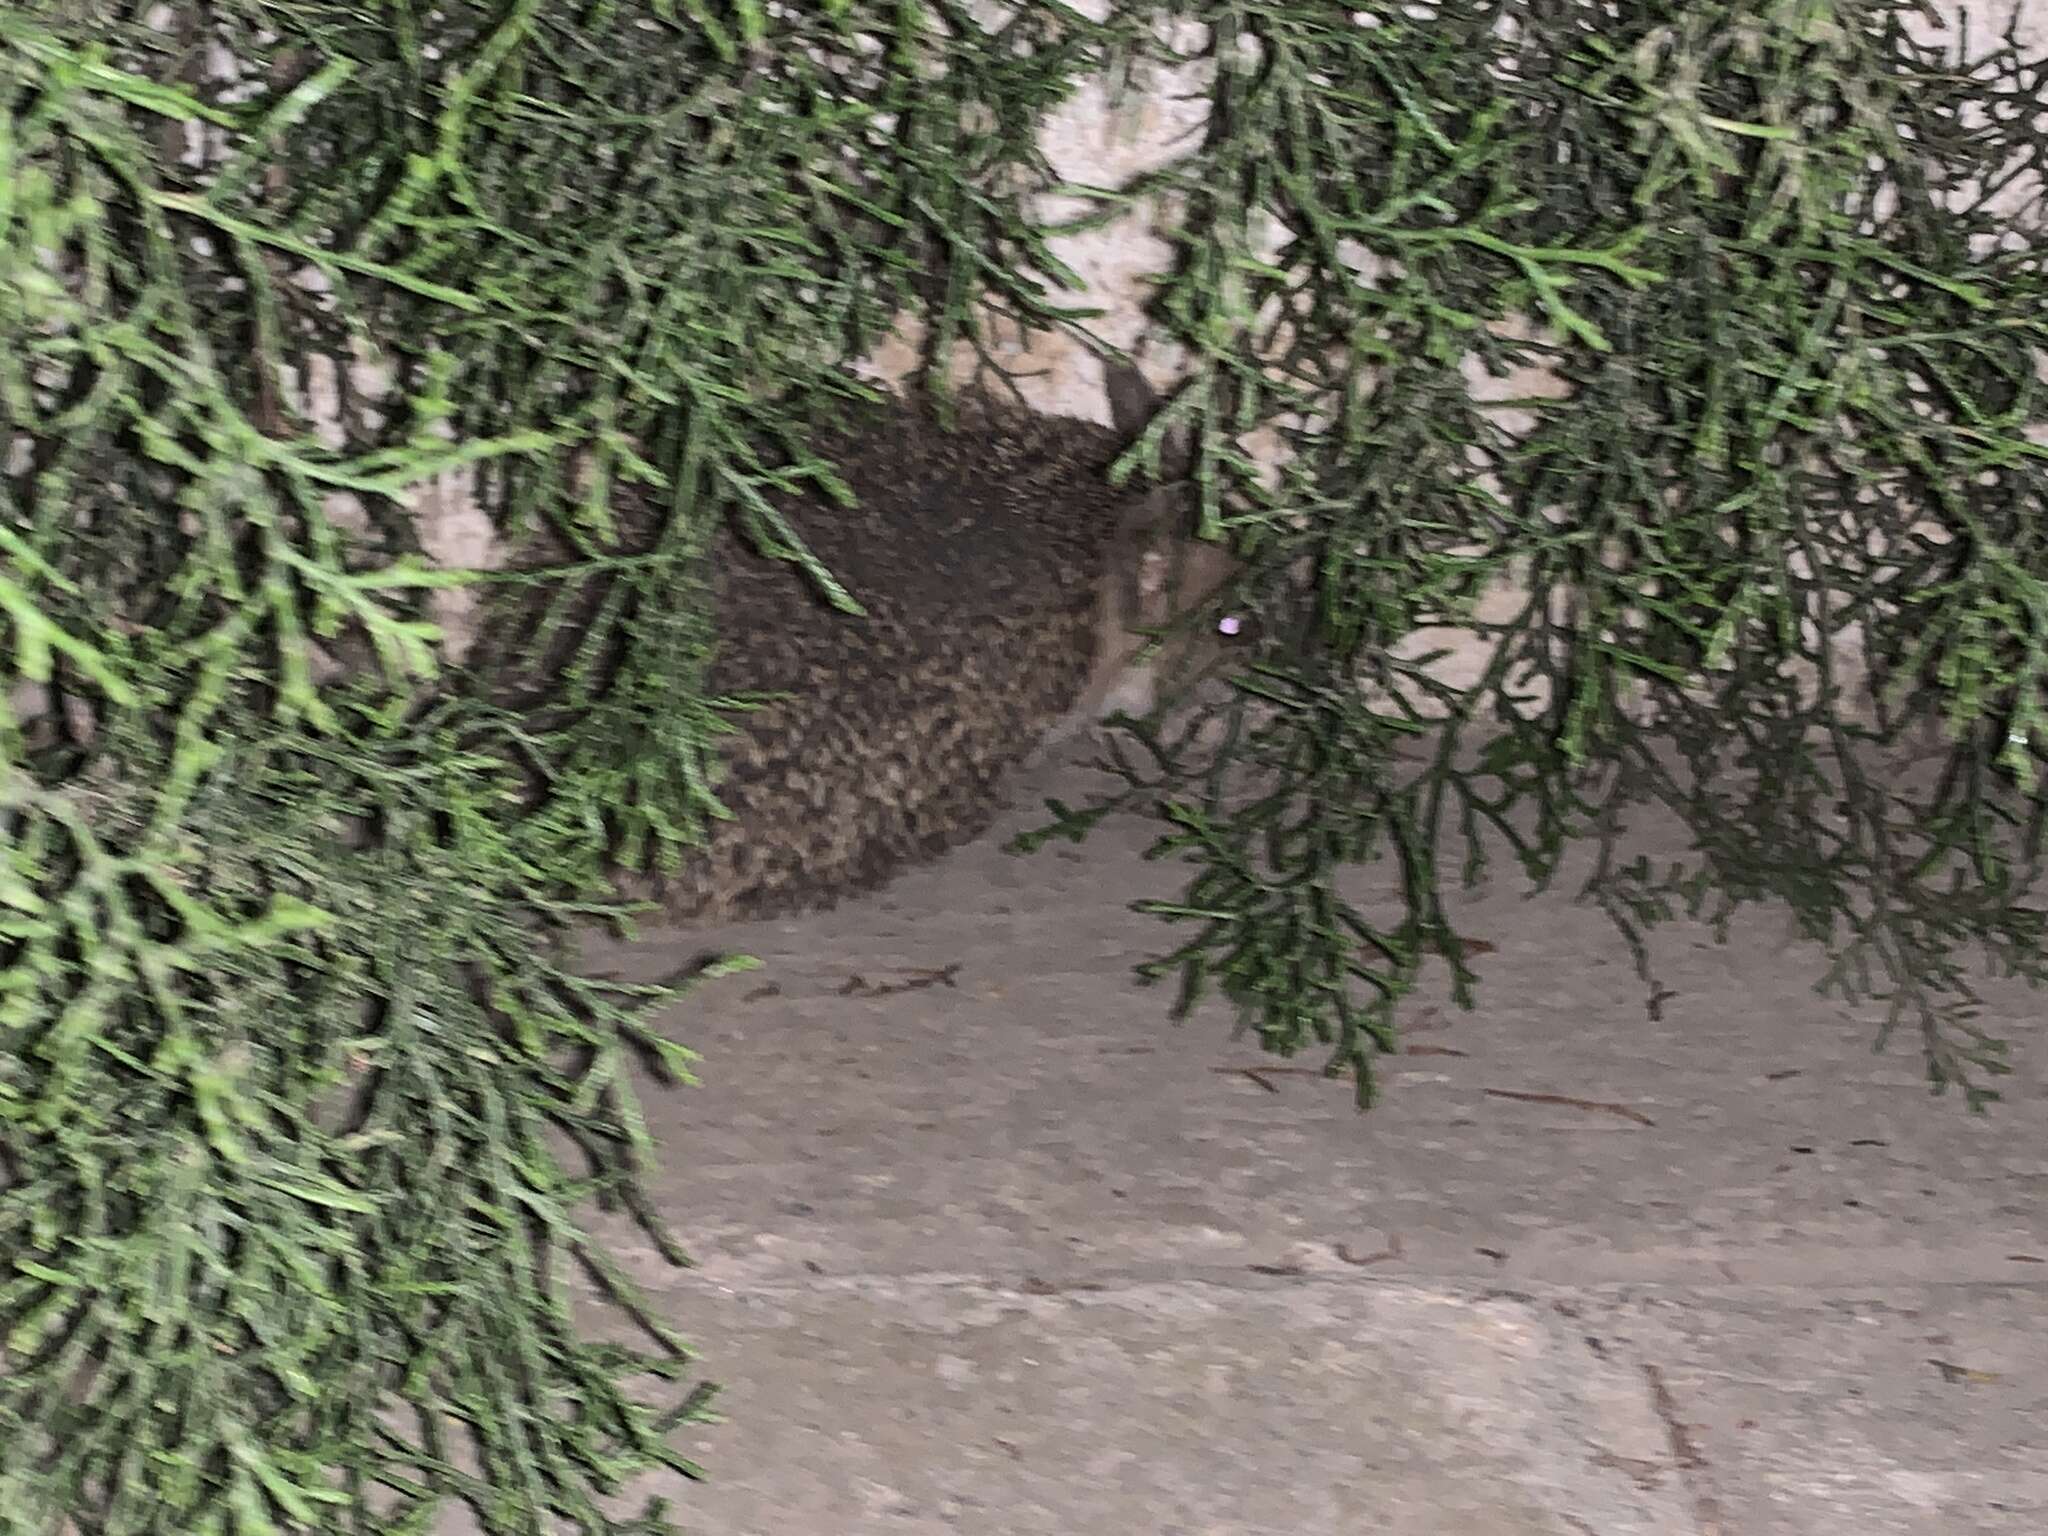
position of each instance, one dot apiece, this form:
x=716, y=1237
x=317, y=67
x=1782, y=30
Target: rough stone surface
x=1008, y=1252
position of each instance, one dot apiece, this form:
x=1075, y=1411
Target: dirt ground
x=985, y=1243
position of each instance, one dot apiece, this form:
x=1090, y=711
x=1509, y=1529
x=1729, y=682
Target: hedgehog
x=1005, y=586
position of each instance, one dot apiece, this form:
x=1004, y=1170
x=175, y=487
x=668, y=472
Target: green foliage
x=1789, y=266
x=299, y=1098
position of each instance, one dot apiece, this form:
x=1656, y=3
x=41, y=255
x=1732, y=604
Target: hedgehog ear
x=1133, y=402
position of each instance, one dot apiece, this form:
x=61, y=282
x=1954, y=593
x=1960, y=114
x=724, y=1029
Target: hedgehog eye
x=1230, y=624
